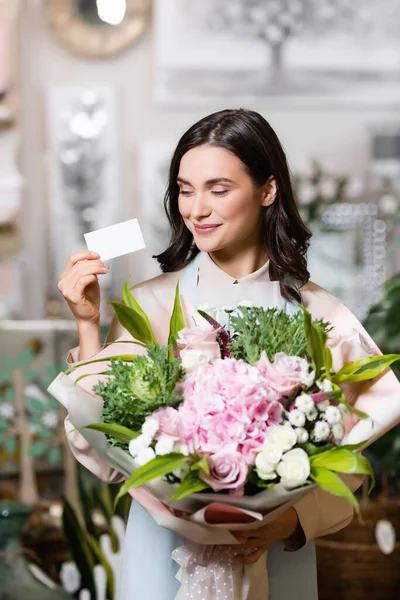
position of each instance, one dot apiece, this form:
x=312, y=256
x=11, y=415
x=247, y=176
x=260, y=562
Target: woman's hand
x=80, y=286
x=261, y=539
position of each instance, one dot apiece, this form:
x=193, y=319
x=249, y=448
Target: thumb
x=241, y=536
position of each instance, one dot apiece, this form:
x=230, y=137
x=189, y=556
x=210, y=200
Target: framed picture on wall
x=302, y=52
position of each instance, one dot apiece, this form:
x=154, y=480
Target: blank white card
x=116, y=240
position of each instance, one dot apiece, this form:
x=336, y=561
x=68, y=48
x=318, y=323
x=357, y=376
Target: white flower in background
x=312, y=414
x=294, y=468
x=306, y=193
x=165, y=445
x=388, y=204
x=307, y=379
x=138, y=444
x=297, y=418
x=6, y=410
x=150, y=427
x=265, y=469
x=246, y=303
x=321, y=431
x=228, y=309
x=325, y=385
x=191, y=359
x=282, y=436
x=304, y=403
x=181, y=471
x=338, y=431
x=144, y=456
x=322, y=406
x=302, y=435
x=385, y=535
x=50, y=419
x=211, y=310
x=70, y=577
x=332, y=415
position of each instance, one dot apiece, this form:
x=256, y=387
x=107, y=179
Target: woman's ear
x=269, y=192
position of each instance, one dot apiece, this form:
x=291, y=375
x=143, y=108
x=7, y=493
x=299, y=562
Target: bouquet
x=223, y=427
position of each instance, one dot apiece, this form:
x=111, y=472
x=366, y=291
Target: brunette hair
x=284, y=234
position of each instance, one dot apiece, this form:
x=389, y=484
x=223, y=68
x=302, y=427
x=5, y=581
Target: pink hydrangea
x=228, y=406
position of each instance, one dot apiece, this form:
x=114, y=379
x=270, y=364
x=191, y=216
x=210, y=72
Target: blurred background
x=94, y=95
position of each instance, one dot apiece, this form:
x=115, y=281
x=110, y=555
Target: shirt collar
x=209, y=271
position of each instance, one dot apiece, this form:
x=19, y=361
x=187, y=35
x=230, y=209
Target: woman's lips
x=205, y=229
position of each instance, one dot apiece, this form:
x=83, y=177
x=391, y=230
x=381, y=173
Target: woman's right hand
x=80, y=286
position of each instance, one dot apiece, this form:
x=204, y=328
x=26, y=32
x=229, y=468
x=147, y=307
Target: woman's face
x=218, y=200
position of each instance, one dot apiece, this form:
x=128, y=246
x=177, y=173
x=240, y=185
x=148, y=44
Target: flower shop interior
x=94, y=95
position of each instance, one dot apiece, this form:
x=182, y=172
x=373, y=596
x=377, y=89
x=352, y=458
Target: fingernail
x=106, y=266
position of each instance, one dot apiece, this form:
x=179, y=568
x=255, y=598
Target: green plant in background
x=383, y=324
x=96, y=539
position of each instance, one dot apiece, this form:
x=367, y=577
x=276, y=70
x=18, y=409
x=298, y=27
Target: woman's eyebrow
x=208, y=182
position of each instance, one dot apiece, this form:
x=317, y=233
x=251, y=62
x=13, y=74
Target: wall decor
x=98, y=28
x=84, y=175
x=297, y=52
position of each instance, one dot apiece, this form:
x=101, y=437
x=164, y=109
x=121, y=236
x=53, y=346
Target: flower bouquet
x=222, y=428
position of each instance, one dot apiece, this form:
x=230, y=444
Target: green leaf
x=102, y=560
x=316, y=342
x=54, y=455
x=119, y=431
x=365, y=368
x=90, y=375
x=134, y=323
x=35, y=405
x=337, y=393
x=159, y=466
x=77, y=543
x=191, y=484
x=123, y=357
x=342, y=460
x=176, y=324
x=332, y=483
x=131, y=302
x=10, y=446
x=45, y=434
x=4, y=425
x=37, y=449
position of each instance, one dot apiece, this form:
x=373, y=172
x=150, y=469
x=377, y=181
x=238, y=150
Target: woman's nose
x=200, y=206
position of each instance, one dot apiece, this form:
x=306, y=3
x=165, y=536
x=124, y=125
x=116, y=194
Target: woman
x=234, y=221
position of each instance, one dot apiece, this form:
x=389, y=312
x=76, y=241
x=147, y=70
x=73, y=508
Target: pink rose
x=168, y=419
x=285, y=374
x=228, y=470
x=191, y=337
x=197, y=346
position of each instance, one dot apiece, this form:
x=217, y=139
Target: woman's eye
x=184, y=192
x=219, y=192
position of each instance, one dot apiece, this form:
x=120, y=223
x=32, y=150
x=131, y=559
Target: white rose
x=321, y=431
x=138, y=444
x=302, y=435
x=272, y=454
x=282, y=436
x=294, y=468
x=325, y=385
x=264, y=468
x=149, y=427
x=191, y=359
x=297, y=418
x=144, y=456
x=338, y=431
x=305, y=403
x=211, y=310
x=165, y=445
x=312, y=414
x=307, y=379
x=322, y=406
x=332, y=415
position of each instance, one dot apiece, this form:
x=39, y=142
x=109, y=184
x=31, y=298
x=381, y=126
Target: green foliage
x=332, y=483
x=176, y=323
x=136, y=390
x=272, y=330
x=190, y=484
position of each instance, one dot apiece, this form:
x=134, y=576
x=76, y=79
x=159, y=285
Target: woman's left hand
x=261, y=539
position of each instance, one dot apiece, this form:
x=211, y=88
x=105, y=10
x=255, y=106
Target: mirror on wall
x=98, y=28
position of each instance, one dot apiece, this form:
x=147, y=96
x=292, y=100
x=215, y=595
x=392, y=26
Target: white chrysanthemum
x=138, y=444
x=302, y=435
x=307, y=379
x=264, y=468
x=338, y=431
x=332, y=415
x=321, y=431
x=165, y=445
x=149, y=427
x=304, y=402
x=297, y=418
x=322, y=406
x=312, y=414
x=325, y=385
x=144, y=456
